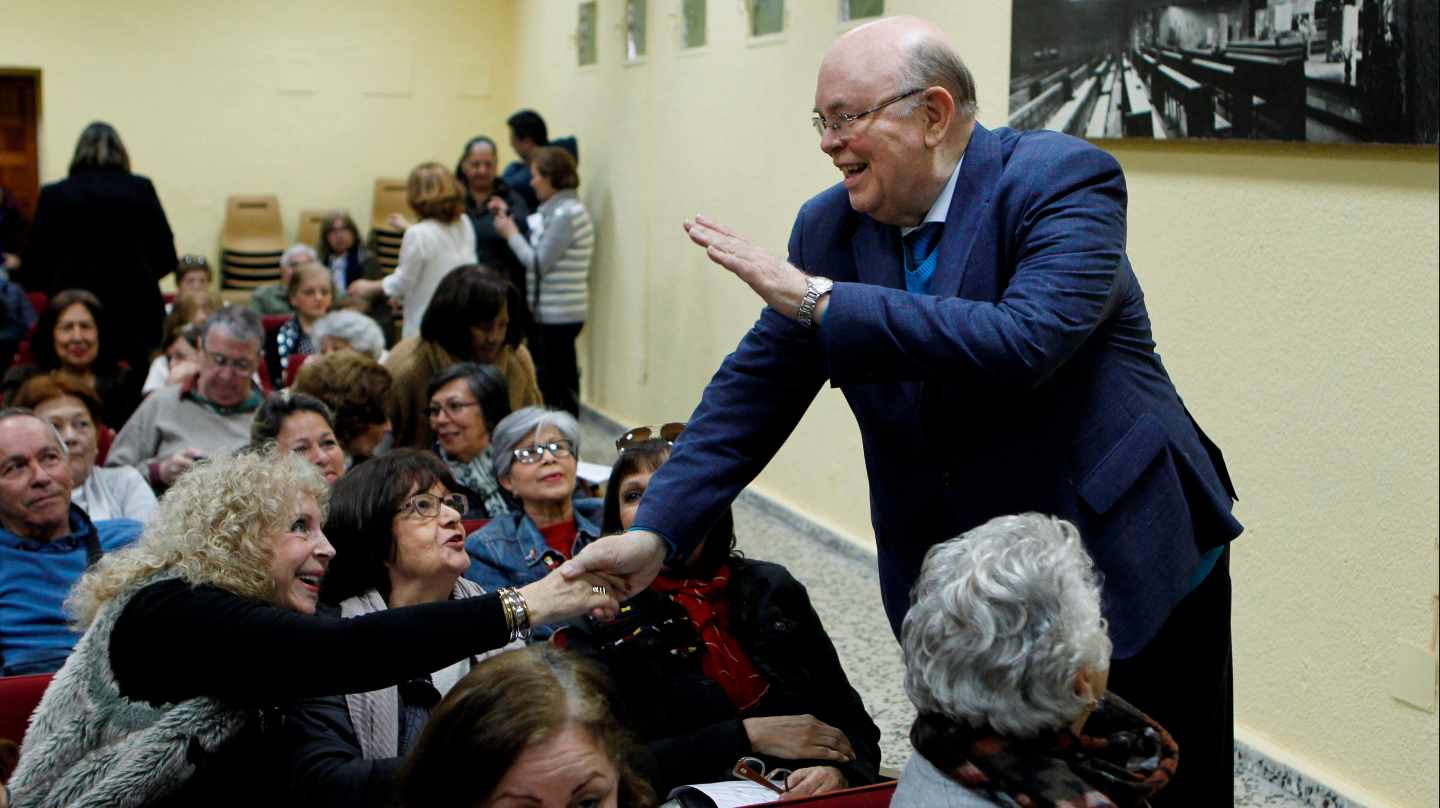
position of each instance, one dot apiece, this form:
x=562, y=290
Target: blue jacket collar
x=81, y=529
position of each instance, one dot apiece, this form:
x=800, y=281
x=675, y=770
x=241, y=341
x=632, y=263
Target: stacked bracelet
x=517, y=613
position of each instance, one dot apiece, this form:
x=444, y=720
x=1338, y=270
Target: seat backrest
x=252, y=223
x=292, y=368
x=389, y=198
x=103, y=438
x=311, y=223
x=19, y=696
x=472, y=525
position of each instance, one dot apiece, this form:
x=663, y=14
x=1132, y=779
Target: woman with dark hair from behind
x=725, y=658
x=74, y=338
x=533, y=727
x=467, y=400
x=468, y=321
x=356, y=388
x=103, y=229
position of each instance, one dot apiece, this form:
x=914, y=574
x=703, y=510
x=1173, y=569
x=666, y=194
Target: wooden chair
x=389, y=198
x=311, y=223
x=252, y=226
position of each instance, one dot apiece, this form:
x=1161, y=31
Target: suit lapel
x=877, y=248
x=978, y=174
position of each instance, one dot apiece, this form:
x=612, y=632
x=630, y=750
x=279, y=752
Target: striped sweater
x=557, y=259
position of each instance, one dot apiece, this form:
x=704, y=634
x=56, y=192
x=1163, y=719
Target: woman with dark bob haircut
x=395, y=523
x=535, y=725
x=103, y=229
x=467, y=400
x=468, y=321
x=73, y=338
x=725, y=658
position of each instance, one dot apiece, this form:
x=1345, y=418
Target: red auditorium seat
x=19, y=696
x=103, y=439
x=472, y=525
x=38, y=301
x=292, y=368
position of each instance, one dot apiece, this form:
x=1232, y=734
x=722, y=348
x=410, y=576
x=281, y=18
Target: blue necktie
x=921, y=256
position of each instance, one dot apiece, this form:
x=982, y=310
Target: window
x=692, y=21
x=585, y=34
x=634, y=30
x=860, y=9
x=767, y=17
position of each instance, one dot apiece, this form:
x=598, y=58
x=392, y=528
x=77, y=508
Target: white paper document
x=732, y=793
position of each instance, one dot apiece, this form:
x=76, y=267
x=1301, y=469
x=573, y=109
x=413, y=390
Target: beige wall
x=308, y=101
x=1293, y=290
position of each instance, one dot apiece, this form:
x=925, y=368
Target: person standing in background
x=103, y=229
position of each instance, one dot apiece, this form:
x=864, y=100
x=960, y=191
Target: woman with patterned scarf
x=467, y=400
x=1006, y=659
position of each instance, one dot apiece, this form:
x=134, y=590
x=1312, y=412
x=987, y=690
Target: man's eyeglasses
x=645, y=434
x=533, y=454
x=844, y=119
x=427, y=506
x=243, y=366
x=194, y=261
x=454, y=407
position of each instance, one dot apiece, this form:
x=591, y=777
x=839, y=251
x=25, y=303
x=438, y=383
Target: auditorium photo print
x=1325, y=71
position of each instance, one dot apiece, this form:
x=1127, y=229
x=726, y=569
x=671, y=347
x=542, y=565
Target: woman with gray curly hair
x=1006, y=659
x=348, y=328
x=199, y=633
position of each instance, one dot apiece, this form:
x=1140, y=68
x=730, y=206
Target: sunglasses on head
x=645, y=434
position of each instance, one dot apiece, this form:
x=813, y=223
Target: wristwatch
x=815, y=286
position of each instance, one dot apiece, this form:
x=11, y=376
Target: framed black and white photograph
x=1323, y=71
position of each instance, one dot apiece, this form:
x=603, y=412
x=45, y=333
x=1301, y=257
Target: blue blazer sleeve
x=1064, y=225
x=748, y=410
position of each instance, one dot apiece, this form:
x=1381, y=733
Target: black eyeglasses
x=645, y=434
x=844, y=119
x=535, y=452
x=194, y=261
x=242, y=366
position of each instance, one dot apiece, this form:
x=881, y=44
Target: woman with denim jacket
x=535, y=452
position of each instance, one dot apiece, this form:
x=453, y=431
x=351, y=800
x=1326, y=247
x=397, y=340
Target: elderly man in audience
x=274, y=298
x=175, y=426
x=347, y=329
x=46, y=543
x=469, y=320
x=1006, y=659
x=74, y=411
x=356, y=388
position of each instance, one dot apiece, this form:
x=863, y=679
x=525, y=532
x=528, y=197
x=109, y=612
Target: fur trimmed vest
x=89, y=746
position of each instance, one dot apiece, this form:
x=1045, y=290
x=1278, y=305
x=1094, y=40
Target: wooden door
x=19, y=152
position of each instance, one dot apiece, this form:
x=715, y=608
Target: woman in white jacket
x=442, y=240
x=557, y=259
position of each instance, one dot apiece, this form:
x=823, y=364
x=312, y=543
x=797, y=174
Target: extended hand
x=779, y=284
x=798, y=737
x=505, y=224
x=628, y=561
x=813, y=780
x=556, y=597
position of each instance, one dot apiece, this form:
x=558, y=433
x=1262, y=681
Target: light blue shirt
x=917, y=279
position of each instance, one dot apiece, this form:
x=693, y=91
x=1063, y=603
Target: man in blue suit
x=969, y=293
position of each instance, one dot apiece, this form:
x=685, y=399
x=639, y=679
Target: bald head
x=895, y=109
x=910, y=50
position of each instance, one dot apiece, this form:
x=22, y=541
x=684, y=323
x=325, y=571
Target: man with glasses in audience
x=969, y=293
x=46, y=544
x=180, y=424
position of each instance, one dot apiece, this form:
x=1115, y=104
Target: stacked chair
x=311, y=223
x=251, y=242
x=384, y=239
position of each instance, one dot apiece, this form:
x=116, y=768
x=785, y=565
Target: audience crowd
x=309, y=545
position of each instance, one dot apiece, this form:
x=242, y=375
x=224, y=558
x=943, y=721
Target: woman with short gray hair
x=535, y=458
x=347, y=328
x=1006, y=659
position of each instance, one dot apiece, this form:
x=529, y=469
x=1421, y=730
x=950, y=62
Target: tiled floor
x=845, y=590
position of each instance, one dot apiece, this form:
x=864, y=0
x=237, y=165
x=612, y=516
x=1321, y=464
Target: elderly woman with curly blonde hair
x=195, y=636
